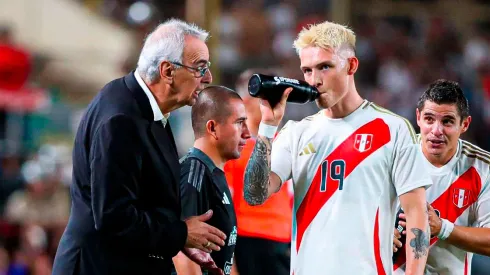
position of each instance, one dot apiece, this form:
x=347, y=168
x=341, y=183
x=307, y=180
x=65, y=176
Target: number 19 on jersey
x=335, y=170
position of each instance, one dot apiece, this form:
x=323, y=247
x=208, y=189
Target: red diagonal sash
x=314, y=199
x=448, y=209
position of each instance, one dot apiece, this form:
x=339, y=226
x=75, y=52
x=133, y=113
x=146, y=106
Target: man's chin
x=235, y=155
x=191, y=102
x=436, y=151
x=322, y=103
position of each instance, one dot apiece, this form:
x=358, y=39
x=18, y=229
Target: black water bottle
x=400, y=229
x=271, y=88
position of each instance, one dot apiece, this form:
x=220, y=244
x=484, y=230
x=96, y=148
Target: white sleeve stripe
x=191, y=171
x=201, y=176
x=196, y=174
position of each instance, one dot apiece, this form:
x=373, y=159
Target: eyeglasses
x=202, y=70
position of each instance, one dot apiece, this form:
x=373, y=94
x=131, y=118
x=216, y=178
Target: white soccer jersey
x=346, y=175
x=460, y=193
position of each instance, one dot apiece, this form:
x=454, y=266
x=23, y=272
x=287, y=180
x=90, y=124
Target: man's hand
x=397, y=243
x=434, y=221
x=273, y=116
x=203, y=259
x=396, y=240
x=202, y=235
x=403, y=222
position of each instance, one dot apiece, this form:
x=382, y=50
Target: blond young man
x=362, y=157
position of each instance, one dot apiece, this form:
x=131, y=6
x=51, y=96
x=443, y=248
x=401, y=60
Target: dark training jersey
x=203, y=186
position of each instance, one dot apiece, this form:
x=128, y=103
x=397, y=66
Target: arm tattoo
x=420, y=243
x=256, y=181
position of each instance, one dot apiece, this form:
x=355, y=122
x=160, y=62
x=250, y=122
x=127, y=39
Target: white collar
x=157, y=113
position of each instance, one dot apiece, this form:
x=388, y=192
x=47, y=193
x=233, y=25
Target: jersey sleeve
x=408, y=172
x=483, y=205
x=193, y=181
x=281, y=162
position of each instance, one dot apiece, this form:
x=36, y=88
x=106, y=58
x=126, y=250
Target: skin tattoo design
x=420, y=243
x=257, y=172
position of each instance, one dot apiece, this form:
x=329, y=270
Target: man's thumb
x=206, y=216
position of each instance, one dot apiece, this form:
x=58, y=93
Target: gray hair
x=166, y=43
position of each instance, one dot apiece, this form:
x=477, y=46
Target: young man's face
x=440, y=129
x=327, y=70
x=233, y=132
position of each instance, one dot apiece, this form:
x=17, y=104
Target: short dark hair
x=211, y=104
x=444, y=91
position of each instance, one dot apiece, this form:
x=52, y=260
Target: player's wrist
x=267, y=130
x=437, y=228
x=271, y=121
x=447, y=228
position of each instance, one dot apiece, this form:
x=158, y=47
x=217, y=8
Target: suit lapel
x=168, y=129
x=167, y=148
x=163, y=138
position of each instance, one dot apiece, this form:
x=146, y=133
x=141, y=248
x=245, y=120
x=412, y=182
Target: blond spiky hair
x=325, y=35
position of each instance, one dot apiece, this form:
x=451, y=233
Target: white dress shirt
x=157, y=113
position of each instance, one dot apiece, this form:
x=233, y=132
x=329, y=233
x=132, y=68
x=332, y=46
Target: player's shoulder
x=418, y=138
x=394, y=121
x=294, y=127
x=193, y=171
x=475, y=156
x=305, y=122
x=311, y=118
x=389, y=116
x=196, y=162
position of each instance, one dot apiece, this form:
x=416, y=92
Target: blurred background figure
x=34, y=217
x=56, y=54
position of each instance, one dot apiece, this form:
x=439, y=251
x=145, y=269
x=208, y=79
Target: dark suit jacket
x=125, y=214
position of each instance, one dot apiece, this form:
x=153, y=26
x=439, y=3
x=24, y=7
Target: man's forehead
x=440, y=109
x=238, y=108
x=312, y=56
x=196, y=50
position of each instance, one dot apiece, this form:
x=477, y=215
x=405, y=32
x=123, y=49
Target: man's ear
x=417, y=116
x=211, y=128
x=466, y=123
x=353, y=64
x=167, y=72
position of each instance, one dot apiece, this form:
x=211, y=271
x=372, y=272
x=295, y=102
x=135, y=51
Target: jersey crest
x=363, y=142
x=461, y=197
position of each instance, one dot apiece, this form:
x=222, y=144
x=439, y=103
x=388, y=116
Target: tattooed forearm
x=256, y=181
x=419, y=244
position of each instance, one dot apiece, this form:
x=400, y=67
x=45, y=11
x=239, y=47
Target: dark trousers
x=480, y=265
x=254, y=256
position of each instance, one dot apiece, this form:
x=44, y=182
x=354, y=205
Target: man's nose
x=437, y=129
x=317, y=79
x=246, y=132
x=207, y=78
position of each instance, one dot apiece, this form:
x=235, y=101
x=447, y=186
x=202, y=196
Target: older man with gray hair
x=125, y=213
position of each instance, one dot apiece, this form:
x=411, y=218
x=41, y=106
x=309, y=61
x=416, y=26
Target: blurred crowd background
x=56, y=54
